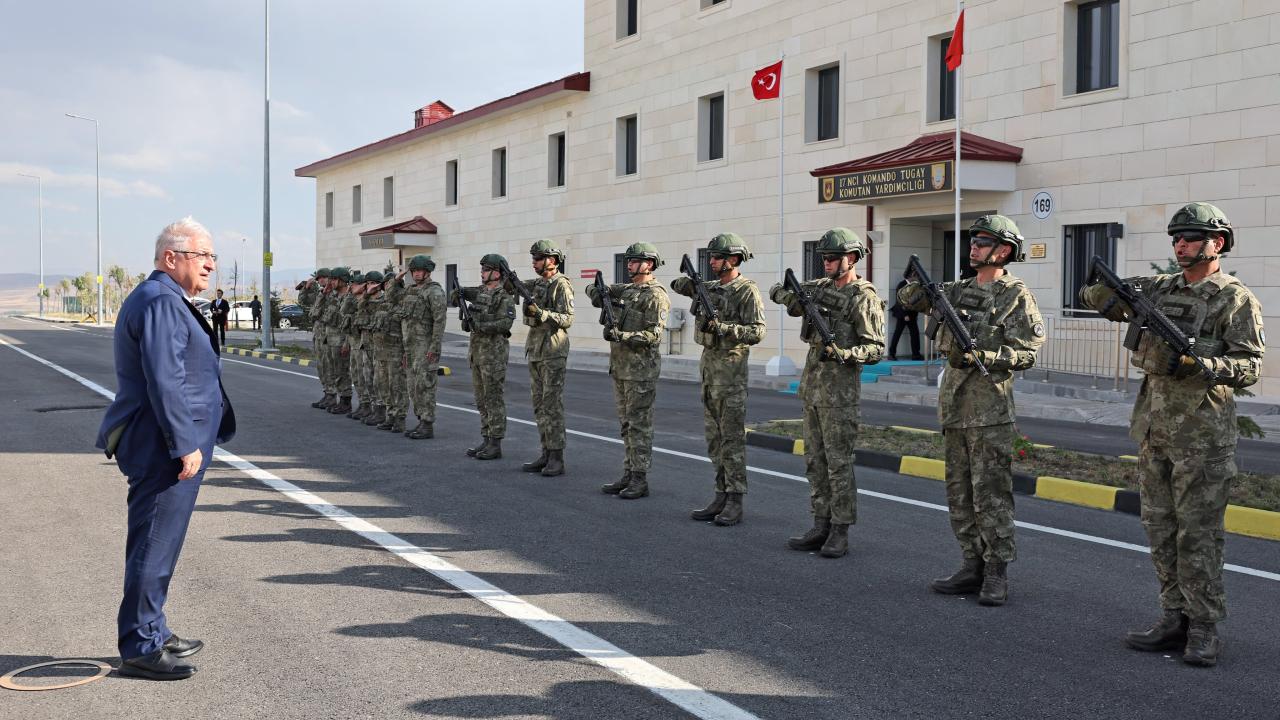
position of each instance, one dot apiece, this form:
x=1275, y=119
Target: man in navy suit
x=169, y=411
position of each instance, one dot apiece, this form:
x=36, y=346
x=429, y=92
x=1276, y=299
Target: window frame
x=627, y=19
x=451, y=170
x=1108, y=52
x=1075, y=264
x=498, y=173
x=388, y=196
x=710, y=128
x=557, y=160
x=627, y=150
x=814, y=94
x=357, y=205
x=812, y=261
x=328, y=209
x=620, y=269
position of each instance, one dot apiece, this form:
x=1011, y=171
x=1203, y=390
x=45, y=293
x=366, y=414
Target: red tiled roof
x=579, y=81
x=418, y=224
x=928, y=148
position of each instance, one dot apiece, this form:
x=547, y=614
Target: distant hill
x=19, y=281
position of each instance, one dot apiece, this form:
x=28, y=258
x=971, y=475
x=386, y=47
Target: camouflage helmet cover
x=1203, y=217
x=730, y=244
x=843, y=241
x=643, y=251
x=492, y=260
x=422, y=262
x=1004, y=229
x=547, y=247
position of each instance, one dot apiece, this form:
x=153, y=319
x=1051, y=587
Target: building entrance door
x=948, y=258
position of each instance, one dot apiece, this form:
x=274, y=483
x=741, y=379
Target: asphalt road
x=307, y=619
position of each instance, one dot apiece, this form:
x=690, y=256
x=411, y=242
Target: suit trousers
x=160, y=509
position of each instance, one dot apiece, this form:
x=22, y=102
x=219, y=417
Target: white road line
x=1243, y=570
x=685, y=695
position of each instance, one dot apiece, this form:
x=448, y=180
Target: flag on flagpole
x=766, y=84
x=955, y=51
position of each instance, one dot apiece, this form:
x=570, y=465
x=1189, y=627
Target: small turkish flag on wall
x=767, y=82
x=955, y=51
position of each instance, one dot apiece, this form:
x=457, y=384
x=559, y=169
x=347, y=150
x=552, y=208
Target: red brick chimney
x=433, y=113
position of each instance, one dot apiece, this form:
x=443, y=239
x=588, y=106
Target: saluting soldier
x=422, y=318
x=320, y=298
x=389, y=351
x=726, y=348
x=977, y=413
x=350, y=336
x=362, y=346
x=831, y=384
x=1185, y=423
x=335, y=339
x=635, y=359
x=548, y=317
x=492, y=314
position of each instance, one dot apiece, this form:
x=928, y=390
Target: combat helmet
x=1005, y=230
x=643, y=251
x=323, y=273
x=373, y=276
x=422, y=262
x=547, y=247
x=492, y=260
x=841, y=241
x=1203, y=217
x=730, y=244
x=340, y=273
x=357, y=277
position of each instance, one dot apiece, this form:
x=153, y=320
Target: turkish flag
x=767, y=82
x=955, y=51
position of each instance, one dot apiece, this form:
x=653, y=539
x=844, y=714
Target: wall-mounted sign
x=377, y=242
x=588, y=273
x=890, y=182
x=1037, y=250
x=1042, y=205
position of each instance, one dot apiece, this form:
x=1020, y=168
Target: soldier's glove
x=712, y=327
x=830, y=352
x=779, y=294
x=1103, y=299
x=532, y=310
x=1185, y=368
x=960, y=360
x=611, y=334
x=912, y=296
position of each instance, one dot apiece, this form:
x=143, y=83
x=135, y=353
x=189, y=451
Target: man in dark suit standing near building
x=220, y=310
x=169, y=411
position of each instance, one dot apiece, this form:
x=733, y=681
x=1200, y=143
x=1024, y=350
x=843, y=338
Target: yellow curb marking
x=923, y=467
x=1129, y=458
x=797, y=448
x=920, y=431
x=1076, y=492
x=1253, y=522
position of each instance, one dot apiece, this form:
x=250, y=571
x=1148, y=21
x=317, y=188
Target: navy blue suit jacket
x=170, y=399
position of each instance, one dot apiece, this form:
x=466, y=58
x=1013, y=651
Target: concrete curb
x=442, y=370
x=1240, y=520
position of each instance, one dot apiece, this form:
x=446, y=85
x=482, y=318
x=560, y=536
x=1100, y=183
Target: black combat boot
x=995, y=584
x=712, y=510
x=492, y=449
x=355, y=414
x=965, y=581
x=342, y=407
x=484, y=443
x=388, y=422
x=555, y=463
x=323, y=403
x=377, y=415
x=1203, y=645
x=837, y=544
x=397, y=425
x=536, y=465
x=1169, y=633
x=637, y=488
x=732, y=512
x=618, y=485
x=813, y=539
x=422, y=432
x=329, y=401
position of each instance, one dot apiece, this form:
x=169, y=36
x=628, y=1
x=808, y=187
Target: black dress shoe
x=180, y=648
x=159, y=665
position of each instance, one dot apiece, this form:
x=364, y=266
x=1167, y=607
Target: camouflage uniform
x=338, y=365
x=422, y=319
x=547, y=350
x=362, y=353
x=388, y=349
x=350, y=338
x=492, y=314
x=635, y=360
x=319, y=333
x=725, y=354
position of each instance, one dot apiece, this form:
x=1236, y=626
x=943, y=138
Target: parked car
x=241, y=314
x=205, y=307
x=291, y=316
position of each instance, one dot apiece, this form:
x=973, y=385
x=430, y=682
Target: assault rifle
x=1146, y=316
x=702, y=305
x=605, y=303
x=941, y=310
x=452, y=286
x=812, y=314
x=517, y=287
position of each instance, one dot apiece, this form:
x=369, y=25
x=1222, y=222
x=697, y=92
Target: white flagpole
x=781, y=365
x=955, y=174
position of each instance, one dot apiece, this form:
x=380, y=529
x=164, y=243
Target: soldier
x=362, y=346
x=1185, y=424
x=389, y=353
x=351, y=337
x=547, y=349
x=635, y=359
x=831, y=384
x=492, y=313
x=422, y=313
x=976, y=412
x=726, y=348
x=308, y=290
x=320, y=298
x=335, y=342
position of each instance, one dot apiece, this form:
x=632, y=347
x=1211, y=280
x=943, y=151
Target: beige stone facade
x=1194, y=114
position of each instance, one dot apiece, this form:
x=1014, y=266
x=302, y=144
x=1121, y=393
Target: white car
x=241, y=313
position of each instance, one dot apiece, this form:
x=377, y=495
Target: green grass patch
x=1249, y=489
x=301, y=352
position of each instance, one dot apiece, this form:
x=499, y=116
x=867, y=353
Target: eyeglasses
x=1189, y=237
x=982, y=242
x=718, y=256
x=201, y=255
x=831, y=258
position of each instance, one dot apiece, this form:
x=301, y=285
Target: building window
x=355, y=204
x=704, y=4
x=451, y=270
x=1080, y=244
x=620, y=269
x=812, y=261
x=822, y=103
x=711, y=127
x=946, y=80
x=1097, y=45
x=555, y=160
x=451, y=183
x=500, y=172
x=328, y=209
x=628, y=18
x=388, y=197
x=628, y=157
x=704, y=263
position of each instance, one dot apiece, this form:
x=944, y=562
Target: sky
x=177, y=89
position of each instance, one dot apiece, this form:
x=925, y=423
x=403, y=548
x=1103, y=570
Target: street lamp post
x=97, y=188
x=266, y=175
x=40, y=220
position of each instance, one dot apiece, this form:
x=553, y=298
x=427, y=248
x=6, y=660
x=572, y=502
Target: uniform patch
x=1038, y=329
